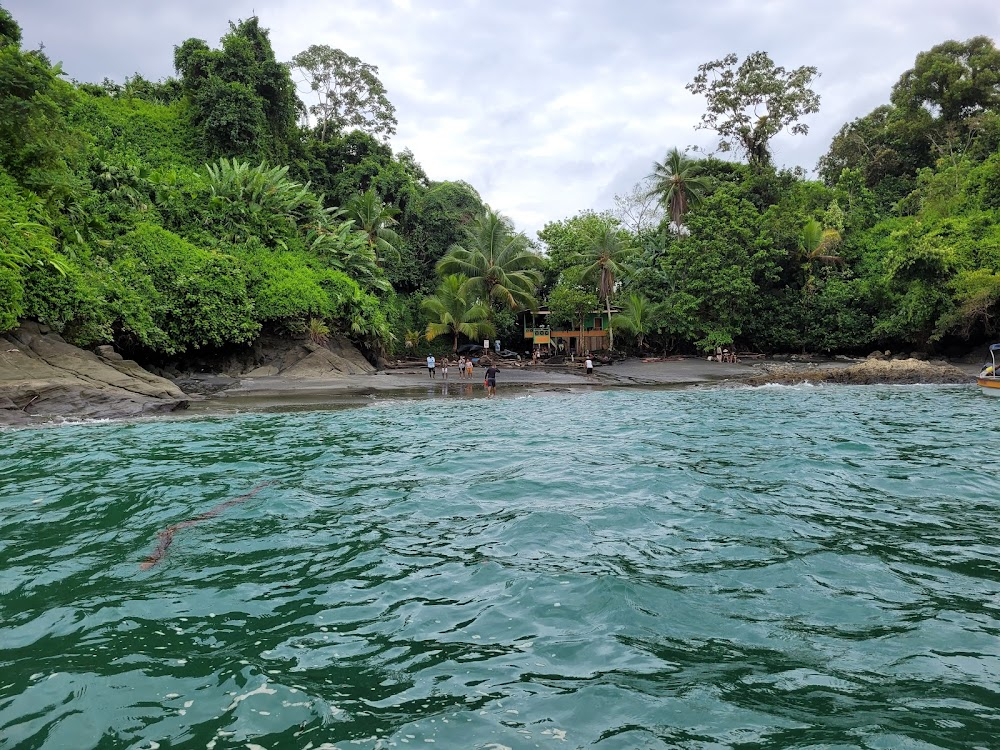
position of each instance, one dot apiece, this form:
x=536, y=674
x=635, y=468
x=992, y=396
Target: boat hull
x=989, y=385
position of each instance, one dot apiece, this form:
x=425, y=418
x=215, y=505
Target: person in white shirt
x=590, y=365
x=430, y=365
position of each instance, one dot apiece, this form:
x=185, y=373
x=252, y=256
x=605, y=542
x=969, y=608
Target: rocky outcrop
x=869, y=372
x=309, y=360
x=42, y=377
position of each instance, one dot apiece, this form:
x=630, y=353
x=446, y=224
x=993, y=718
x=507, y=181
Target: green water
x=772, y=568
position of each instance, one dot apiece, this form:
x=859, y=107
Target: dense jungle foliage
x=197, y=212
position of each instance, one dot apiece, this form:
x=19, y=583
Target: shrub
x=11, y=298
x=198, y=297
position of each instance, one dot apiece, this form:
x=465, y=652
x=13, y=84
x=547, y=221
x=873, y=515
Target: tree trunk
x=611, y=330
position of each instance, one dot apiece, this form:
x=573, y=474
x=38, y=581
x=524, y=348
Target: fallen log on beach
x=166, y=537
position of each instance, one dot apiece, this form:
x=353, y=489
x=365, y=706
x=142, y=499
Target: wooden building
x=538, y=334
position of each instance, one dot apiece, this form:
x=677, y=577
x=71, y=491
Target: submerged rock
x=43, y=377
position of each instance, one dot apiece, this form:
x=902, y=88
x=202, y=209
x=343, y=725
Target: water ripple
x=781, y=567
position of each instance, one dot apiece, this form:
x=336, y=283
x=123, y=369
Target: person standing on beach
x=430, y=365
x=444, y=369
x=468, y=368
x=590, y=365
x=491, y=381
x=461, y=367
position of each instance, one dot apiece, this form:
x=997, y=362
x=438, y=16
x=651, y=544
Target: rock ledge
x=44, y=378
x=869, y=372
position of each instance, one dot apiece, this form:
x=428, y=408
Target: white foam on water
x=262, y=690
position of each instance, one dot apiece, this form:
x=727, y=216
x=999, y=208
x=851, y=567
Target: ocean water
x=705, y=568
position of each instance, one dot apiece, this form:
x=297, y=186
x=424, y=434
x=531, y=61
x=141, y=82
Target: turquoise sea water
x=709, y=568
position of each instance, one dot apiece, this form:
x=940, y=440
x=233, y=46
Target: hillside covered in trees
x=198, y=212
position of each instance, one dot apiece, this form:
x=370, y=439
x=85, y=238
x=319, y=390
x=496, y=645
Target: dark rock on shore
x=42, y=377
x=269, y=356
x=871, y=371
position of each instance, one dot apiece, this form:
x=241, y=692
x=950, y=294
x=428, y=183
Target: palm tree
x=678, y=183
x=454, y=314
x=497, y=262
x=604, y=260
x=638, y=315
x=817, y=245
x=374, y=219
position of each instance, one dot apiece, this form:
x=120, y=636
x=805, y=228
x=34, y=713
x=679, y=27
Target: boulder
x=309, y=360
x=43, y=377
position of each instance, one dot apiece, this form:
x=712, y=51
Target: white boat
x=989, y=377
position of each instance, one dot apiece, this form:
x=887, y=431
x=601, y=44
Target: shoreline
x=220, y=396
x=277, y=393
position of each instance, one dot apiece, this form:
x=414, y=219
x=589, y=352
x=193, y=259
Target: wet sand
x=291, y=394
x=281, y=393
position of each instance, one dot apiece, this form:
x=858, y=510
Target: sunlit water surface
x=711, y=568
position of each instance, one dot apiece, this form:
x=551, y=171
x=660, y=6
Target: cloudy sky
x=547, y=107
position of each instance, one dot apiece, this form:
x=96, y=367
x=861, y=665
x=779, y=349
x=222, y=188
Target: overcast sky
x=547, y=107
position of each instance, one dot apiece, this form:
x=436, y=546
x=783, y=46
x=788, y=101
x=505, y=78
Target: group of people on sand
x=723, y=354
x=465, y=365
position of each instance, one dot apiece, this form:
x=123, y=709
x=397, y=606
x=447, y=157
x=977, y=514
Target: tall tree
x=953, y=81
x=882, y=144
x=244, y=99
x=349, y=94
x=750, y=104
x=454, y=314
x=678, y=183
x=497, y=261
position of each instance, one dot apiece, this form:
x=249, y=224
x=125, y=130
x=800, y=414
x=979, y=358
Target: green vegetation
x=196, y=213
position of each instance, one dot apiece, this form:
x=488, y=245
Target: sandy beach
x=515, y=379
